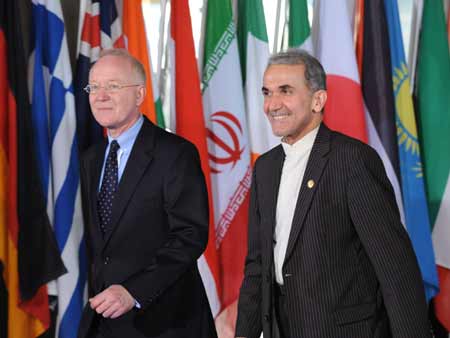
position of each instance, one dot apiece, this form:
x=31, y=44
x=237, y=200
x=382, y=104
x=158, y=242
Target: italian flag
x=298, y=23
x=432, y=91
x=229, y=154
x=254, y=52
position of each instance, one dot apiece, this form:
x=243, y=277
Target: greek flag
x=54, y=129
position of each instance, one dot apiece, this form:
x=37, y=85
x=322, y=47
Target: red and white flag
x=332, y=34
x=190, y=123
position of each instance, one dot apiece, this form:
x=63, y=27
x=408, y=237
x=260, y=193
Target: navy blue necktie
x=108, y=188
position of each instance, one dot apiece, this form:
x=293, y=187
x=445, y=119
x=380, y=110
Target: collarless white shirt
x=294, y=166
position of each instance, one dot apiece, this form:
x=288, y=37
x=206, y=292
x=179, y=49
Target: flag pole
x=277, y=26
x=201, y=47
x=162, y=22
x=414, y=40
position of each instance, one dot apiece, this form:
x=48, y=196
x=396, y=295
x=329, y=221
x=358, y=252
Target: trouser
x=280, y=310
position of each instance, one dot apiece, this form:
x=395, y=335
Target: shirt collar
x=127, y=138
x=302, y=145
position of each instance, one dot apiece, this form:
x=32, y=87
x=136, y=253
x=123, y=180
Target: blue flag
x=414, y=198
x=54, y=124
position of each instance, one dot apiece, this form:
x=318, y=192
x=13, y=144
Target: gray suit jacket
x=350, y=270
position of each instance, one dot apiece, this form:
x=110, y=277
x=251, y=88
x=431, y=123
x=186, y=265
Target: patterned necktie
x=108, y=188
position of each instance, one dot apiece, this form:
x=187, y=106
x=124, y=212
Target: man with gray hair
x=327, y=254
x=145, y=207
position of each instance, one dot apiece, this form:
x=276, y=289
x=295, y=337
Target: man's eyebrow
x=285, y=86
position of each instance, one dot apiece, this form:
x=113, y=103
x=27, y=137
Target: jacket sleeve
x=249, y=307
x=375, y=215
x=186, y=205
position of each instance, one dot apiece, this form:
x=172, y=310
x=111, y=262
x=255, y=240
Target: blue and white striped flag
x=54, y=127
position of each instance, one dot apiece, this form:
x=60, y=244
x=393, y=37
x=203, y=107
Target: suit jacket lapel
x=274, y=177
x=316, y=164
x=137, y=163
x=97, y=164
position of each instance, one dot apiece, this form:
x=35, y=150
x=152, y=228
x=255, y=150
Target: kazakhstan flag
x=413, y=189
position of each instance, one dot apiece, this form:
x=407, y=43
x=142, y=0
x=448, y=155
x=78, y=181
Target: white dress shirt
x=294, y=167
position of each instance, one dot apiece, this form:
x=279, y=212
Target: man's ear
x=319, y=100
x=140, y=95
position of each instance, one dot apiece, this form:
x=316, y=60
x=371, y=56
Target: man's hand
x=112, y=302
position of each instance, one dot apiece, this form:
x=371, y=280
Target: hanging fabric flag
x=229, y=149
x=54, y=124
x=137, y=44
x=100, y=28
x=190, y=123
x=432, y=92
x=254, y=54
x=344, y=110
x=29, y=256
x=377, y=91
x=413, y=189
x=299, y=29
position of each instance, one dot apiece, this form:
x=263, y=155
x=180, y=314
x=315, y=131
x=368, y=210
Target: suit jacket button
x=106, y=261
x=267, y=318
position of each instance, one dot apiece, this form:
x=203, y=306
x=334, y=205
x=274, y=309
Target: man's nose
x=102, y=94
x=272, y=103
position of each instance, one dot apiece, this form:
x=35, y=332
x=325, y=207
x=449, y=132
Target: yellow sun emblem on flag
x=406, y=126
x=405, y=121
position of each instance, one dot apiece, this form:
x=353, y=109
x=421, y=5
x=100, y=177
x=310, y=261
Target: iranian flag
x=432, y=91
x=298, y=23
x=254, y=52
x=229, y=154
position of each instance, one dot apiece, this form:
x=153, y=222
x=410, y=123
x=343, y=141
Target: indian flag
x=137, y=44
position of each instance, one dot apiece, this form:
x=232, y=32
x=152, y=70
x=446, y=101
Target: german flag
x=29, y=256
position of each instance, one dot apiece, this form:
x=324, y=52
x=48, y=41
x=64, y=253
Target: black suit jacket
x=350, y=270
x=159, y=227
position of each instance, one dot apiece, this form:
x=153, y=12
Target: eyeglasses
x=111, y=87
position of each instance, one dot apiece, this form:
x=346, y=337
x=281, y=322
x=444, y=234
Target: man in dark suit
x=146, y=212
x=327, y=254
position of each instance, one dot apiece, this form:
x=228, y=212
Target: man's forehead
x=283, y=75
x=115, y=66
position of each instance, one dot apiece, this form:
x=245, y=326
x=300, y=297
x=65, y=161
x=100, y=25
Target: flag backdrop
x=228, y=146
x=100, y=27
x=413, y=189
x=54, y=123
x=29, y=256
x=254, y=54
x=344, y=110
x=136, y=43
x=377, y=91
x=190, y=123
x=432, y=92
x=299, y=29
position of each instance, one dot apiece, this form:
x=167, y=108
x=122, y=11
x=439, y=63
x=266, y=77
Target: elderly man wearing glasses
x=146, y=214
